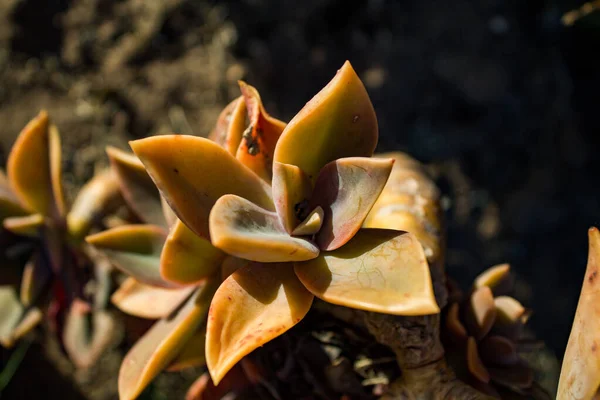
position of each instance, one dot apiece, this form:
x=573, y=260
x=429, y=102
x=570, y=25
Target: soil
x=497, y=96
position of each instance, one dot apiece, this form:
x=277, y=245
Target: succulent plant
x=62, y=266
x=485, y=331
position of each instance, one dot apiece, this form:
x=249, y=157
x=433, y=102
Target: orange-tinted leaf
x=162, y=343
x=193, y=172
x=338, y=122
x=230, y=126
x=9, y=203
x=291, y=194
x=146, y=301
x=135, y=250
x=580, y=374
x=474, y=363
x=87, y=333
x=346, y=189
x=35, y=277
x=55, y=162
x=192, y=354
x=454, y=325
x=258, y=141
x=511, y=317
x=28, y=225
x=243, y=229
x=188, y=258
x=137, y=187
x=378, y=270
x=311, y=224
x=28, y=167
x=481, y=313
x=93, y=201
x=254, y=305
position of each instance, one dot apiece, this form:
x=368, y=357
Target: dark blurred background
x=499, y=96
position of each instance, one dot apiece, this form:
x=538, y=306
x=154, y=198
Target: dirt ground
x=497, y=95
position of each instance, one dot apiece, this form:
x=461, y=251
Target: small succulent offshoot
x=61, y=265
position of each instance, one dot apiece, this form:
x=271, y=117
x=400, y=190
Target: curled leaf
x=474, y=363
x=28, y=167
x=192, y=173
x=258, y=141
x=94, y=200
x=187, y=258
x=146, y=301
x=378, y=270
x=346, y=189
x=251, y=307
x=135, y=250
x=496, y=277
x=162, y=343
x=291, y=193
x=230, y=126
x=243, y=229
x=454, y=325
x=338, y=122
x=137, y=187
x=311, y=224
x=481, y=313
x=580, y=374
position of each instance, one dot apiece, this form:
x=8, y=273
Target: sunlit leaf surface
x=291, y=194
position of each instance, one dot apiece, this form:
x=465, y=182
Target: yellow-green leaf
x=253, y=306
x=346, y=189
x=338, y=122
x=145, y=301
x=28, y=167
x=378, y=270
x=137, y=187
x=28, y=225
x=187, y=258
x=243, y=229
x=193, y=172
x=11, y=311
x=291, y=194
x=135, y=250
x=258, y=141
x=93, y=201
x=162, y=343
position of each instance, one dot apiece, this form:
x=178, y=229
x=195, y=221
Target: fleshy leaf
x=168, y=213
x=474, y=363
x=93, y=201
x=28, y=167
x=162, y=343
x=192, y=354
x=580, y=374
x=35, y=277
x=187, y=258
x=346, y=189
x=378, y=270
x=11, y=311
x=137, y=187
x=243, y=229
x=291, y=194
x=230, y=126
x=254, y=305
x=258, y=141
x=135, y=250
x=30, y=320
x=146, y=301
x=338, y=122
x=87, y=333
x=9, y=203
x=55, y=162
x=496, y=277
x=192, y=173
x=481, y=313
x=311, y=224
x=231, y=264
x=28, y=225
x=454, y=325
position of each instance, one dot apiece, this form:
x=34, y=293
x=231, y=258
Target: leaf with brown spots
x=251, y=307
x=580, y=374
x=378, y=270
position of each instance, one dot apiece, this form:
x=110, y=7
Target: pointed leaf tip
x=192, y=173
x=251, y=307
x=378, y=270
x=338, y=122
x=242, y=229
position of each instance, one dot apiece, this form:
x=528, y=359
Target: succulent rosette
x=285, y=206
